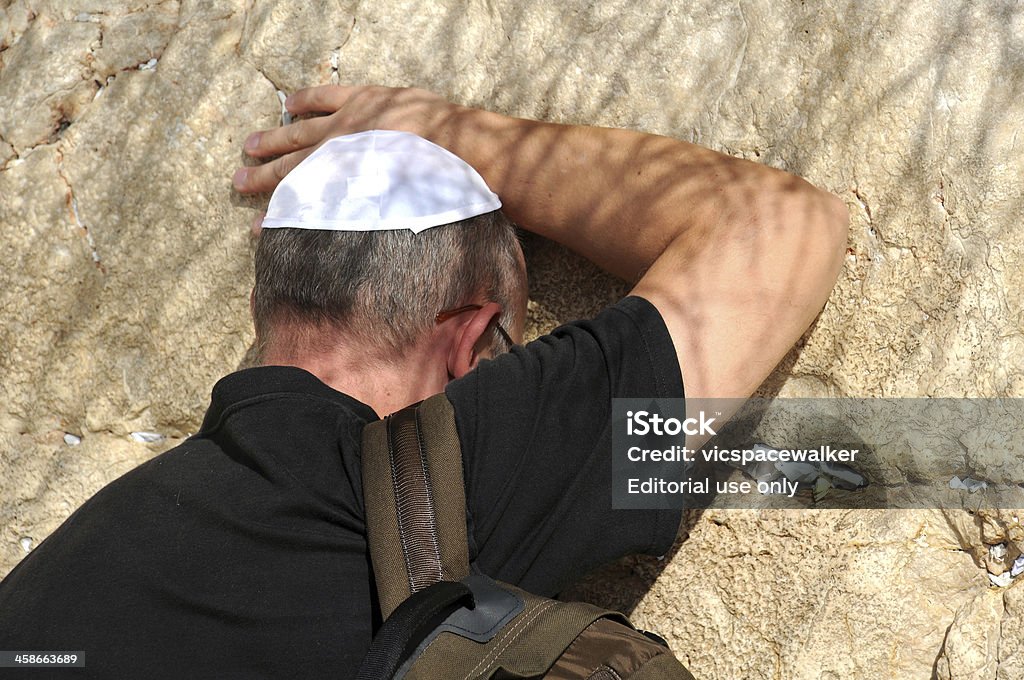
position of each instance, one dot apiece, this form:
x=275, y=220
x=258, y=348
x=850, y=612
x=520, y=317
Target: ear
x=473, y=340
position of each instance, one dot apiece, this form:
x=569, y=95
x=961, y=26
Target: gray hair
x=383, y=288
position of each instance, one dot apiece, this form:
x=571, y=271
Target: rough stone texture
x=972, y=644
x=125, y=294
x=986, y=638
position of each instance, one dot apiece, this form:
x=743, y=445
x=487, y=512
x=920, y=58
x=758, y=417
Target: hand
x=349, y=109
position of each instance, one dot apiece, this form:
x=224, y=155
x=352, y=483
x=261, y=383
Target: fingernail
x=252, y=141
x=288, y=101
x=240, y=175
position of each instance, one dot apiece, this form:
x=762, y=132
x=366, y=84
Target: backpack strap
x=415, y=500
x=414, y=620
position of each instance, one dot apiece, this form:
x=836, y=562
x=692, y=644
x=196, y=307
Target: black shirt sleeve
x=535, y=428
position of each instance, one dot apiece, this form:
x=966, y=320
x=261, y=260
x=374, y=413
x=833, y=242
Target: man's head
x=383, y=289
x=368, y=246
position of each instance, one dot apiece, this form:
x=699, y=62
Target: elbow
x=814, y=225
x=812, y=242
x=837, y=220
x=836, y=225
x=820, y=221
x=826, y=234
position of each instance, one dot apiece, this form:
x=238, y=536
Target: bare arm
x=738, y=257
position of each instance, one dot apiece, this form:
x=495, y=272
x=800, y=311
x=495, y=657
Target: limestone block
x=802, y=595
x=131, y=180
x=130, y=41
x=972, y=645
x=276, y=40
x=1011, y=636
x=45, y=80
x=43, y=301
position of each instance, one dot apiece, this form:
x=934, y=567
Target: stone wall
x=125, y=294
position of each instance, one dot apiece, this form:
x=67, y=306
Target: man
x=242, y=553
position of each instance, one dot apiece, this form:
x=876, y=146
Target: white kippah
x=378, y=180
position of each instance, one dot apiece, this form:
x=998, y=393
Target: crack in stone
x=13, y=158
x=863, y=204
x=92, y=52
x=71, y=203
x=1005, y=620
x=87, y=16
x=148, y=65
x=737, y=65
x=63, y=122
x=351, y=29
x=336, y=52
x=335, y=58
x=246, y=13
x=493, y=10
x=873, y=229
x=941, y=197
x=265, y=76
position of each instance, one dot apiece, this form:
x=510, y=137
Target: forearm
x=738, y=257
x=617, y=197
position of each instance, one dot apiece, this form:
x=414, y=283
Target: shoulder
x=626, y=346
x=534, y=427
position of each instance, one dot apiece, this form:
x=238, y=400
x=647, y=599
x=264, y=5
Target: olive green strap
x=415, y=500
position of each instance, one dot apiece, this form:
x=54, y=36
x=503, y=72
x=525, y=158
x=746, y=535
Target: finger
x=320, y=99
x=291, y=137
x=260, y=178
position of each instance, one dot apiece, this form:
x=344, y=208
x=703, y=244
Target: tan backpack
x=445, y=620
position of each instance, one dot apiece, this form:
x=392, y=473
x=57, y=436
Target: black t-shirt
x=242, y=553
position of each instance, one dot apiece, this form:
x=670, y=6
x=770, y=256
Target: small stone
x=71, y=439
